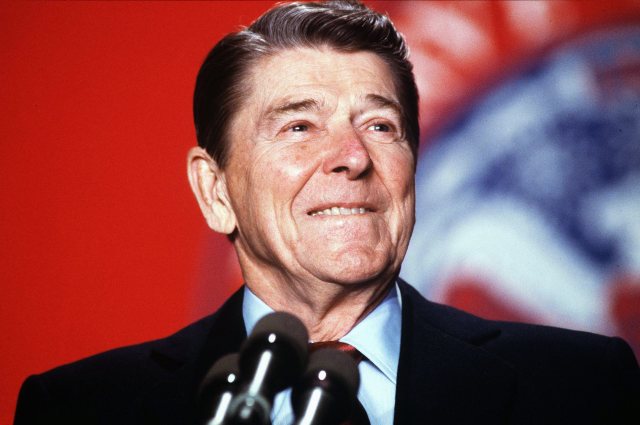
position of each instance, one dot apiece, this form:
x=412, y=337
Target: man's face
x=320, y=176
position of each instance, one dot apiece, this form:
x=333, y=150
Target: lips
x=340, y=209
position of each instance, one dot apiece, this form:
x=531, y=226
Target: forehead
x=323, y=74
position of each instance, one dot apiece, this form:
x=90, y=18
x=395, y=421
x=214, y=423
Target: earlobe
x=208, y=184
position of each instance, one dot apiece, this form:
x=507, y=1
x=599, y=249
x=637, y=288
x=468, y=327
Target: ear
x=208, y=184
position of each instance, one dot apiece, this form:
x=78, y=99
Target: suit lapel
x=180, y=362
x=444, y=375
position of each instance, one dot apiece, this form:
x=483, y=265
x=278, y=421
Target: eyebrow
x=384, y=102
x=287, y=107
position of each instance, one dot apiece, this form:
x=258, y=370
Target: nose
x=348, y=155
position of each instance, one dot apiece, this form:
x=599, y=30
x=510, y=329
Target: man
x=307, y=126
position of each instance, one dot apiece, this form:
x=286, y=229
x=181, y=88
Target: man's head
x=310, y=150
x=345, y=26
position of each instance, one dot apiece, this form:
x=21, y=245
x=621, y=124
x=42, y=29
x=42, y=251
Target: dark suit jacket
x=454, y=368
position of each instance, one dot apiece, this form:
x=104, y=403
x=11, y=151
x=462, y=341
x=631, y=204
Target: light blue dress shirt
x=377, y=337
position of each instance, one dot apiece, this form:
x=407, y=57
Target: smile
x=340, y=211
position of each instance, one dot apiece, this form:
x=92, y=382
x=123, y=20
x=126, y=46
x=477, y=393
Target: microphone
x=271, y=359
x=218, y=388
x=326, y=394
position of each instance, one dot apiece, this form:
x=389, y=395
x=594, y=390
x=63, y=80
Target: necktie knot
x=338, y=345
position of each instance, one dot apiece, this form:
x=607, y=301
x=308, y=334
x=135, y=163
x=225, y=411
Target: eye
x=299, y=128
x=381, y=130
x=380, y=127
x=298, y=131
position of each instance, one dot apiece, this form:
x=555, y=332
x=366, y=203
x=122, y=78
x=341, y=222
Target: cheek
x=397, y=171
x=289, y=173
x=290, y=166
x=277, y=175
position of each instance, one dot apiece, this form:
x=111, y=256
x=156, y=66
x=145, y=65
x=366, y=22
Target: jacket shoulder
x=553, y=367
x=511, y=339
x=124, y=363
x=106, y=387
x=152, y=382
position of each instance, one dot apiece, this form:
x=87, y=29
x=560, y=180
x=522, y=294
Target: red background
x=101, y=239
x=101, y=243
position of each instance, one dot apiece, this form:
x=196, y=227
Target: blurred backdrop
x=528, y=178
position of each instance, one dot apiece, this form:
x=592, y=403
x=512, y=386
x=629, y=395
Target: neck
x=328, y=310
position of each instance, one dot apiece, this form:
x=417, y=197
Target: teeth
x=340, y=211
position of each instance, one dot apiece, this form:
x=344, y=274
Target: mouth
x=336, y=210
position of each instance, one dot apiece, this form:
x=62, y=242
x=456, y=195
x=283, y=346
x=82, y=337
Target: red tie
x=358, y=415
x=337, y=345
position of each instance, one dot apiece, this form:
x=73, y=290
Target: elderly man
x=307, y=127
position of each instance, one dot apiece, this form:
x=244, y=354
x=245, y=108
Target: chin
x=354, y=270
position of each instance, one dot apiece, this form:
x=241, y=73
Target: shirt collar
x=253, y=309
x=377, y=336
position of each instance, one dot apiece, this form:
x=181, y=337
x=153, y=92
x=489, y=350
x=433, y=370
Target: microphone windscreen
x=327, y=392
x=222, y=377
x=225, y=371
x=286, y=337
x=334, y=365
x=284, y=325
